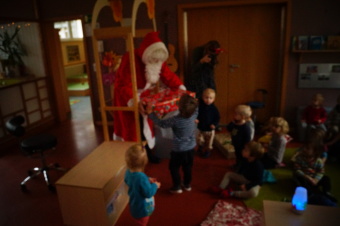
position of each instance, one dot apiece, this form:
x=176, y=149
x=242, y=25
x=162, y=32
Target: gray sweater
x=184, y=130
x=277, y=147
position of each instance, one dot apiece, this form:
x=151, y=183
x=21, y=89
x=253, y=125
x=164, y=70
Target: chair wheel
x=51, y=188
x=23, y=187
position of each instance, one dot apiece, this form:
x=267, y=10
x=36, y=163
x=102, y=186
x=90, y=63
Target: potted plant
x=11, y=51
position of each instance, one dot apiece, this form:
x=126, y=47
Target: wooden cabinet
x=28, y=97
x=93, y=192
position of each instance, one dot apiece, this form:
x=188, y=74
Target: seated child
x=249, y=175
x=316, y=139
x=240, y=130
x=277, y=146
x=309, y=171
x=314, y=115
x=333, y=132
x=333, y=121
x=208, y=118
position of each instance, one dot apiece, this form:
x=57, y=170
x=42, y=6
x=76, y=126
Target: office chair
x=255, y=105
x=35, y=147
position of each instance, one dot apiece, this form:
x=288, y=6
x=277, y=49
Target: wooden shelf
x=317, y=51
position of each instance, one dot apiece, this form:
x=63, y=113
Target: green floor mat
x=77, y=86
x=284, y=188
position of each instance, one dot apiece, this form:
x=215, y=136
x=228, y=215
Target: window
x=70, y=29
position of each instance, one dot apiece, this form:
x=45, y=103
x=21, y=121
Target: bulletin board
x=319, y=75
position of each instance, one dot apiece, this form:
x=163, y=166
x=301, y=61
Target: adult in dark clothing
x=204, y=60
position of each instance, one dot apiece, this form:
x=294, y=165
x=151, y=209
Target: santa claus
x=150, y=63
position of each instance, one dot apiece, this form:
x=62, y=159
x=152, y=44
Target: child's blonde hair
x=244, y=110
x=208, y=91
x=256, y=149
x=136, y=158
x=280, y=122
x=318, y=97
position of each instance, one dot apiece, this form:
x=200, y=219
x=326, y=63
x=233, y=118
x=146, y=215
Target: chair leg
x=31, y=174
x=47, y=180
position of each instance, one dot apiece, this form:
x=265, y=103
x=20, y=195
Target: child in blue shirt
x=141, y=187
x=184, y=140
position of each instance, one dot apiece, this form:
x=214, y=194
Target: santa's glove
x=130, y=102
x=182, y=87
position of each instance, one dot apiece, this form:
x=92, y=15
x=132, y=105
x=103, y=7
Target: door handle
x=234, y=65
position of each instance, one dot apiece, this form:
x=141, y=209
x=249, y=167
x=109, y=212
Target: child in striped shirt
x=184, y=140
x=309, y=171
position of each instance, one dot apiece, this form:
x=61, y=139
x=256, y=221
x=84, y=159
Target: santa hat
x=150, y=43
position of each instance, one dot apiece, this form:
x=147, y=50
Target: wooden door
x=251, y=36
x=55, y=70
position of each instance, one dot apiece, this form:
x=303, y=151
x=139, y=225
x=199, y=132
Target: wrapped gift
x=164, y=101
x=222, y=142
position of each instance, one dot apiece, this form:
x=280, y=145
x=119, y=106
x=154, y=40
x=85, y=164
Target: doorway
x=71, y=36
x=253, y=38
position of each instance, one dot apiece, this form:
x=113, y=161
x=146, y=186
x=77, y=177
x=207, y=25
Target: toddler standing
x=141, y=187
x=208, y=118
x=184, y=140
x=240, y=130
x=277, y=144
x=249, y=175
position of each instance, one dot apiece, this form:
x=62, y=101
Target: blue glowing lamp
x=299, y=201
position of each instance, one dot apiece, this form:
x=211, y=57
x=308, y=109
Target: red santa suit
x=124, y=123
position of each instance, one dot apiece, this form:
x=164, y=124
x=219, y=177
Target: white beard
x=152, y=71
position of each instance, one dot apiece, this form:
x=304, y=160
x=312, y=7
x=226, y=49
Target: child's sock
x=227, y=193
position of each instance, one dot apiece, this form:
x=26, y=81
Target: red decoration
x=117, y=9
x=164, y=101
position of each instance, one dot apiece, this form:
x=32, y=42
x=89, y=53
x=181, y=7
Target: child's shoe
x=187, y=187
x=215, y=190
x=199, y=150
x=226, y=193
x=175, y=190
x=206, y=154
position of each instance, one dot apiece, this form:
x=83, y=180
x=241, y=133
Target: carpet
x=225, y=213
x=74, y=101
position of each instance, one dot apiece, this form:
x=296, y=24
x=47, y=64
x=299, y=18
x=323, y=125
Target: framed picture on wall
x=73, y=53
x=319, y=75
